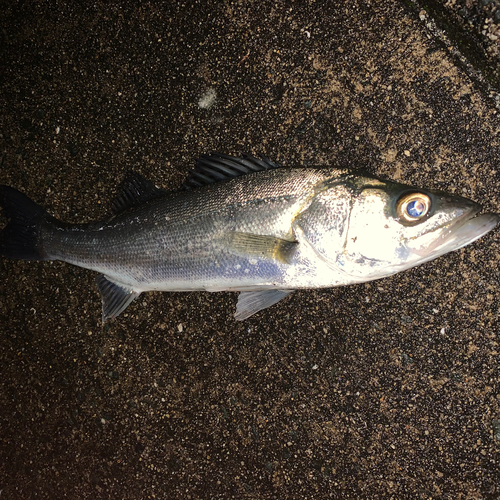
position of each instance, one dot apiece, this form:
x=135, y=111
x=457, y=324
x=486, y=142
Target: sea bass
x=248, y=225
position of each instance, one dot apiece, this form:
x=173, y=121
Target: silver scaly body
x=185, y=241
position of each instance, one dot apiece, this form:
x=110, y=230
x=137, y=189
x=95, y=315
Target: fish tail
x=21, y=238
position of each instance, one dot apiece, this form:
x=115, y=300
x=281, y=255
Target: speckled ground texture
x=473, y=26
x=382, y=390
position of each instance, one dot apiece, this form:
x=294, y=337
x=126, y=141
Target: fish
x=249, y=225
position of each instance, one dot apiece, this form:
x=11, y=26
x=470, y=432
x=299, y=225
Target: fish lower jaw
x=472, y=228
x=454, y=236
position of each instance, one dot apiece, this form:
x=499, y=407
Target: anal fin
x=115, y=297
x=251, y=302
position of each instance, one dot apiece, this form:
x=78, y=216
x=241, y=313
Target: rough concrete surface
x=472, y=27
x=382, y=390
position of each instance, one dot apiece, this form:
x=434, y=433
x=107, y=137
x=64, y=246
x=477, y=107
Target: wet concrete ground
x=382, y=390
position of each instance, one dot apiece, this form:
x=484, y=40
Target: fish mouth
x=463, y=231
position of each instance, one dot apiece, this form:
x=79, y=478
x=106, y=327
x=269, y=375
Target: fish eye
x=413, y=207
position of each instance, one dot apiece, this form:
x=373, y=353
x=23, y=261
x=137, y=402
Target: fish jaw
x=462, y=232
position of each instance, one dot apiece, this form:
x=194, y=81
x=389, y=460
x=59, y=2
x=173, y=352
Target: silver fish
x=248, y=225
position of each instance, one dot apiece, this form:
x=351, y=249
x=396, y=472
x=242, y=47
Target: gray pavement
x=382, y=390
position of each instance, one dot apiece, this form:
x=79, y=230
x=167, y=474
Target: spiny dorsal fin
x=217, y=167
x=135, y=189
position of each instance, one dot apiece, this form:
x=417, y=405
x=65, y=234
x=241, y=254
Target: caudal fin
x=20, y=239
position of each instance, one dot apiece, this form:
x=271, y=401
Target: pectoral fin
x=255, y=245
x=115, y=297
x=251, y=302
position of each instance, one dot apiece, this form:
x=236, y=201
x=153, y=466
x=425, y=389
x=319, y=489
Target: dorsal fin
x=134, y=190
x=217, y=167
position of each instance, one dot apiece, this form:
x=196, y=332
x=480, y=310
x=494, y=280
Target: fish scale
x=176, y=241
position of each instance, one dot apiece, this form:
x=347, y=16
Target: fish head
x=393, y=227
